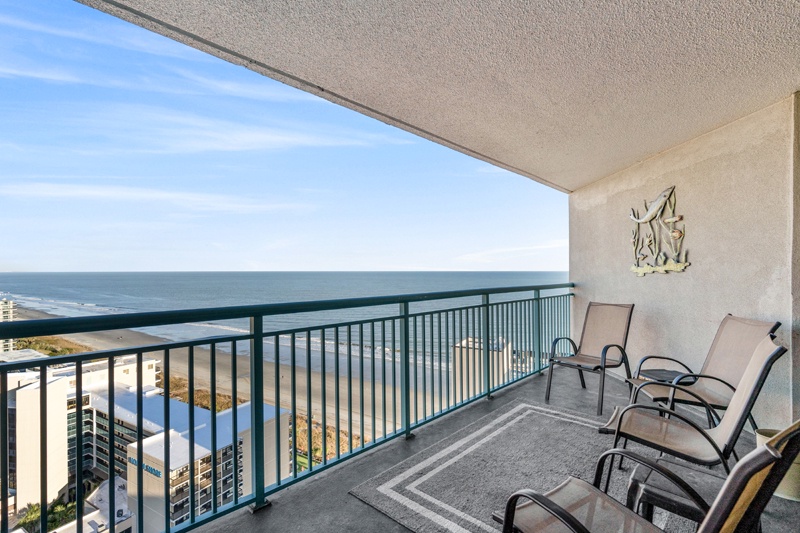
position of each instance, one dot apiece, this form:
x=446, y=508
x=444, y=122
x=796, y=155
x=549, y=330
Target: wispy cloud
x=44, y=74
x=504, y=254
x=121, y=129
x=269, y=91
x=201, y=202
x=117, y=34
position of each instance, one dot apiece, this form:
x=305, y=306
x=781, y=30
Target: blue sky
x=121, y=150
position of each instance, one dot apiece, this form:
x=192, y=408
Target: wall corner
x=795, y=257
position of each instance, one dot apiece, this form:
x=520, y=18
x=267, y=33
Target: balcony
x=421, y=370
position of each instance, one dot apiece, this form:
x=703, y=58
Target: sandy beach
x=179, y=367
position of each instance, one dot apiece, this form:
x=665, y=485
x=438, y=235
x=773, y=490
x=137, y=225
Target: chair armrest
x=555, y=342
x=673, y=387
x=545, y=503
x=680, y=378
x=655, y=467
x=623, y=359
x=661, y=357
x=674, y=414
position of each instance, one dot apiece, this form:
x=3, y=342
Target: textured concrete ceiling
x=564, y=92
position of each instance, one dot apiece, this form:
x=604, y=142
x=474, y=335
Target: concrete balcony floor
x=323, y=503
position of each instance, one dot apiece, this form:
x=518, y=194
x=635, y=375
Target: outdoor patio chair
x=677, y=434
x=602, y=345
x=722, y=370
x=583, y=508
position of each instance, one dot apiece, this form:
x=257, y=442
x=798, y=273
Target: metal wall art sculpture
x=661, y=250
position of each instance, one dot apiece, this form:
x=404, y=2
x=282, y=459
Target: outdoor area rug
x=456, y=484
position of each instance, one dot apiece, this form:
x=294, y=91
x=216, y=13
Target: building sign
x=145, y=467
x=659, y=250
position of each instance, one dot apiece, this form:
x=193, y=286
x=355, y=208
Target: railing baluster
x=309, y=405
x=383, y=376
x=405, y=393
x=394, y=376
x=424, y=384
x=293, y=353
x=350, y=389
x=414, y=338
x=192, y=423
x=112, y=492
x=487, y=373
x=336, y=387
x=449, y=347
x=372, y=377
x=277, y=418
x=257, y=408
x=476, y=356
x=361, y=384
x=214, y=461
x=235, y=420
x=79, y=450
x=433, y=379
x=324, y=398
x=43, y=448
x=140, y=441
x=439, y=320
x=4, y=477
x=167, y=428
x=537, y=331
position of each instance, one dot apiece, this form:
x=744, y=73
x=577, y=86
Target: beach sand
x=179, y=366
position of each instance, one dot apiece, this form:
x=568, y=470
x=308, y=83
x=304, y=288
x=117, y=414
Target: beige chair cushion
x=593, y=508
x=605, y=324
x=670, y=433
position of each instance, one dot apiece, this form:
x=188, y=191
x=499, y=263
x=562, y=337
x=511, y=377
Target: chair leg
x=624, y=445
x=583, y=383
x=602, y=389
x=710, y=419
x=549, y=382
x=611, y=464
x=647, y=511
x=752, y=421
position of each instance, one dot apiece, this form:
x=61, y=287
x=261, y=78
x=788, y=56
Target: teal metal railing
x=232, y=419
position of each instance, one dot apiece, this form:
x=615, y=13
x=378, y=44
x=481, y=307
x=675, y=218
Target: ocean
x=104, y=293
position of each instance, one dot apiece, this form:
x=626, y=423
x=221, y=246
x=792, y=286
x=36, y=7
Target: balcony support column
x=257, y=410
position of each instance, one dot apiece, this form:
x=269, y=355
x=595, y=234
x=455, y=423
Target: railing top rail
x=63, y=326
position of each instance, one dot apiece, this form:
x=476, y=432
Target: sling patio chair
x=722, y=370
x=677, y=434
x=582, y=508
x=602, y=345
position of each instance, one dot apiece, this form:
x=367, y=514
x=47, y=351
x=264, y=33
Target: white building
x=24, y=407
x=234, y=463
x=62, y=453
x=6, y=315
x=96, y=511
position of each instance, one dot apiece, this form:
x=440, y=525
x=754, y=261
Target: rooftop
x=153, y=418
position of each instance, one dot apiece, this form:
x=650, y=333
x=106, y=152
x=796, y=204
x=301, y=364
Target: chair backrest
x=753, y=378
x=751, y=483
x=732, y=347
x=605, y=324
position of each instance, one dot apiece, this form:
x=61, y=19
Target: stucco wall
x=735, y=188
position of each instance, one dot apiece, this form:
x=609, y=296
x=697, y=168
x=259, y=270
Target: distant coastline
x=179, y=367
x=103, y=340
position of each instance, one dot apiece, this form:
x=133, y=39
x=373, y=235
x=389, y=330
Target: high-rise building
x=103, y=455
